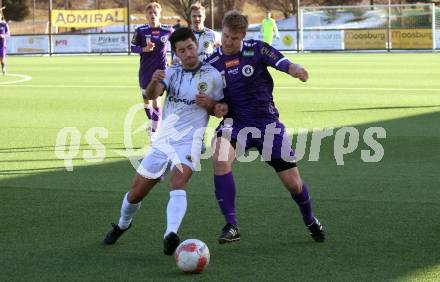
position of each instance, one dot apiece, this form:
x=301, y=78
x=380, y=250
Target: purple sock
x=155, y=117
x=305, y=205
x=225, y=194
x=148, y=111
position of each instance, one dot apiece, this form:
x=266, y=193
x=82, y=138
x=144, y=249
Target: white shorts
x=156, y=162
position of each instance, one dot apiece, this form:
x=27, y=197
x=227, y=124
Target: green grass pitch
x=382, y=218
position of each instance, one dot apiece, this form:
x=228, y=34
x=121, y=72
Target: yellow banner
x=411, y=38
x=365, y=39
x=88, y=18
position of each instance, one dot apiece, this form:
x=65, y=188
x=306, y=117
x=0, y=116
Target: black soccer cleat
x=170, y=243
x=114, y=234
x=230, y=233
x=316, y=231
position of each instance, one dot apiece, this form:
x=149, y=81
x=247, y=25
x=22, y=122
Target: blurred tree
x=16, y=10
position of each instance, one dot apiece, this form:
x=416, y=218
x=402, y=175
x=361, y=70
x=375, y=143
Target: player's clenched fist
x=158, y=75
x=299, y=72
x=220, y=110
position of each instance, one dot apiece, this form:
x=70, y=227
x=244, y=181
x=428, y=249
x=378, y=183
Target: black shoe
x=230, y=233
x=316, y=231
x=170, y=243
x=114, y=234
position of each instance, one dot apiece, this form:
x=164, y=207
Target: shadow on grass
x=380, y=219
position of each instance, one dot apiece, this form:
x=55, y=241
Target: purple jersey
x=151, y=61
x=248, y=84
x=4, y=30
x=248, y=93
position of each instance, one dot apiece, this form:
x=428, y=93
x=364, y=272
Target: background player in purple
x=248, y=93
x=150, y=41
x=4, y=33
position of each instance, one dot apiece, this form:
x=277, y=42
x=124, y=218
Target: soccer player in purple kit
x=248, y=93
x=4, y=33
x=150, y=41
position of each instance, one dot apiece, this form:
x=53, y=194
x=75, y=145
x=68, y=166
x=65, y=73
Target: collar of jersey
x=193, y=70
x=199, y=32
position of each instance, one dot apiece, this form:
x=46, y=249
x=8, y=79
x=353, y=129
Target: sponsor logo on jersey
x=155, y=32
x=163, y=39
x=270, y=53
x=232, y=63
x=247, y=70
x=202, y=87
x=233, y=71
x=179, y=100
x=248, y=53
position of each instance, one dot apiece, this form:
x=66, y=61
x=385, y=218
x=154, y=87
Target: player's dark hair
x=181, y=34
x=235, y=21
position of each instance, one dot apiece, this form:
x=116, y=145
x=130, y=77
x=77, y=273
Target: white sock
x=176, y=210
x=127, y=212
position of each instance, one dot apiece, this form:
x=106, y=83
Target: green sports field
x=381, y=218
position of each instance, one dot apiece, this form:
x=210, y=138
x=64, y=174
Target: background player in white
x=192, y=91
x=207, y=38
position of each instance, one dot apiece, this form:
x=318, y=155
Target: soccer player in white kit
x=207, y=39
x=194, y=89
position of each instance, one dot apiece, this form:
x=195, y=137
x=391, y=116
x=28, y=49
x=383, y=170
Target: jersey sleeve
x=136, y=42
x=272, y=57
x=168, y=74
x=217, y=82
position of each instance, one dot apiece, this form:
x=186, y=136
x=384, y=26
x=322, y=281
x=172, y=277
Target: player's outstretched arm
x=155, y=88
x=299, y=72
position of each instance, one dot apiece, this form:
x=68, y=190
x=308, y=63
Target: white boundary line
x=279, y=87
x=24, y=78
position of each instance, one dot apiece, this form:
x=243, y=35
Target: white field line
x=279, y=87
x=22, y=76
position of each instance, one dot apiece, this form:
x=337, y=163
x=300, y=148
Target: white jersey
x=206, y=40
x=183, y=122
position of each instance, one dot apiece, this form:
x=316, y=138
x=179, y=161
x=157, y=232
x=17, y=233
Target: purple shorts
x=271, y=140
x=3, y=52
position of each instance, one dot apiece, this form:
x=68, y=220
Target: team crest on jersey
x=206, y=44
x=188, y=158
x=202, y=87
x=247, y=70
x=163, y=39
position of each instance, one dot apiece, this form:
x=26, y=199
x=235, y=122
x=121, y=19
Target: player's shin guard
x=305, y=205
x=128, y=211
x=225, y=194
x=176, y=210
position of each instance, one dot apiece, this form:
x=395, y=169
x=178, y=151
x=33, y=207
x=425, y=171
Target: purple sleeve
x=136, y=43
x=272, y=57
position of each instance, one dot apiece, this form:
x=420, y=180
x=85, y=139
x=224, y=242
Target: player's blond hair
x=154, y=6
x=197, y=7
x=235, y=21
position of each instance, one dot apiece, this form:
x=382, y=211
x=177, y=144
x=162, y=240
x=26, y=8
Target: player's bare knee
x=221, y=168
x=294, y=186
